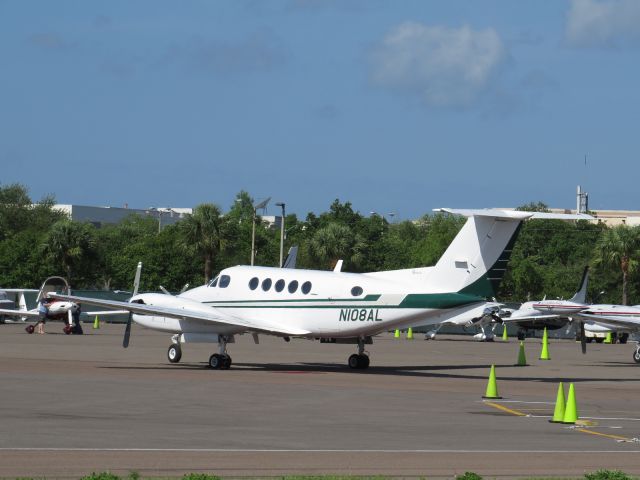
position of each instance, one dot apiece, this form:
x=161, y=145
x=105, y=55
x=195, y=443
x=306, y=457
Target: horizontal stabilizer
x=512, y=214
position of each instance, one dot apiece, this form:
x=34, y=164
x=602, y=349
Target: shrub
x=607, y=475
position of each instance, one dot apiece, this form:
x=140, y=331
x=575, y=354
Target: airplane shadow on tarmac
x=418, y=371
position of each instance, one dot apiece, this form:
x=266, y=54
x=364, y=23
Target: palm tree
x=201, y=231
x=68, y=243
x=618, y=247
x=331, y=243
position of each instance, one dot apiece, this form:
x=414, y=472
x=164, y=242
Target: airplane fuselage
x=323, y=304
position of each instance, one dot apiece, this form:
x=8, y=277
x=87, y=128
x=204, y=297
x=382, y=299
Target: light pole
x=253, y=230
x=282, y=205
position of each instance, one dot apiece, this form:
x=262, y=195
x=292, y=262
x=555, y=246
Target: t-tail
x=581, y=294
x=476, y=261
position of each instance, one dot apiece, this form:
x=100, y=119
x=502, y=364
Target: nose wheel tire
x=357, y=361
x=174, y=354
x=30, y=329
x=636, y=356
x=220, y=362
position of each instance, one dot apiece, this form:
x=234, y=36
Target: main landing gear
x=636, y=354
x=174, y=354
x=221, y=360
x=359, y=360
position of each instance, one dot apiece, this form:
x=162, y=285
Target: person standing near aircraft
x=43, y=310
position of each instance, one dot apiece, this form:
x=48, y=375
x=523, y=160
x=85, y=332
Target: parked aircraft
x=55, y=309
x=614, y=317
x=9, y=298
x=333, y=306
x=549, y=314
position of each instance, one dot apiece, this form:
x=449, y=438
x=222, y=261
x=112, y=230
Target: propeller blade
x=136, y=281
x=184, y=289
x=164, y=290
x=583, y=338
x=127, y=332
x=70, y=316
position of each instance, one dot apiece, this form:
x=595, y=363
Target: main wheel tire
x=636, y=356
x=364, y=361
x=30, y=329
x=67, y=329
x=215, y=361
x=521, y=336
x=589, y=339
x=174, y=354
x=226, y=362
x=354, y=361
x=599, y=340
x=623, y=338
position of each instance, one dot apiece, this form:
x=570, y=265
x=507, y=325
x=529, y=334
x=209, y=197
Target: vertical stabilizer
x=581, y=294
x=476, y=260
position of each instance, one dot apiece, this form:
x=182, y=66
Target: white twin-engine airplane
x=334, y=306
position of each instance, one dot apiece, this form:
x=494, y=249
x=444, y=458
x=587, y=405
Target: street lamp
x=262, y=204
x=281, y=205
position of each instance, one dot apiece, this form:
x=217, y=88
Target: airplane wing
x=532, y=317
x=633, y=323
x=18, y=290
x=210, y=315
x=19, y=313
x=513, y=214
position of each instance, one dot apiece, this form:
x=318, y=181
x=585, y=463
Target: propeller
x=583, y=338
x=136, y=285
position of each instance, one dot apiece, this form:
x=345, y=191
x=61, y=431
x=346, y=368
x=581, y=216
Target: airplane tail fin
x=476, y=261
x=581, y=294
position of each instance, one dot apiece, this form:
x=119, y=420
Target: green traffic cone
x=96, y=323
x=558, y=412
x=396, y=334
x=608, y=338
x=522, y=359
x=571, y=409
x=410, y=334
x=505, y=336
x=492, y=385
x=544, y=355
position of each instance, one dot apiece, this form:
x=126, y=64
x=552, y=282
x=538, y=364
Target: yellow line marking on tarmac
x=608, y=435
x=506, y=409
x=580, y=424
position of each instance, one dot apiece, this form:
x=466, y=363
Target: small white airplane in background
x=550, y=314
x=334, y=306
x=56, y=309
x=7, y=303
x=485, y=316
x=612, y=318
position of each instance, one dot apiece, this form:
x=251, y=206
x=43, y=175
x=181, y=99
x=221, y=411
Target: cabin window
x=224, y=281
x=214, y=282
x=306, y=287
x=266, y=284
x=253, y=283
x=356, y=291
x=280, y=285
x=293, y=286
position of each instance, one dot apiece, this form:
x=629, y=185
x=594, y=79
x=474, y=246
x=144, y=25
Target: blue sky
x=396, y=106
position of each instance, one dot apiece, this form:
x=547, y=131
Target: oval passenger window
x=293, y=286
x=253, y=283
x=266, y=284
x=306, y=287
x=279, y=285
x=356, y=291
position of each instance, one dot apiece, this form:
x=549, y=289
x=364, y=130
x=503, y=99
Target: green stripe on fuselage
x=412, y=300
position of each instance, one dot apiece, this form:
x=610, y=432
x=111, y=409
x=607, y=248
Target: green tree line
x=548, y=258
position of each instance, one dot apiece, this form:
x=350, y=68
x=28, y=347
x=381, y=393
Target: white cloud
x=445, y=66
x=592, y=23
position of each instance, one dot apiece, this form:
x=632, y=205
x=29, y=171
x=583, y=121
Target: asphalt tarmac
x=71, y=405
